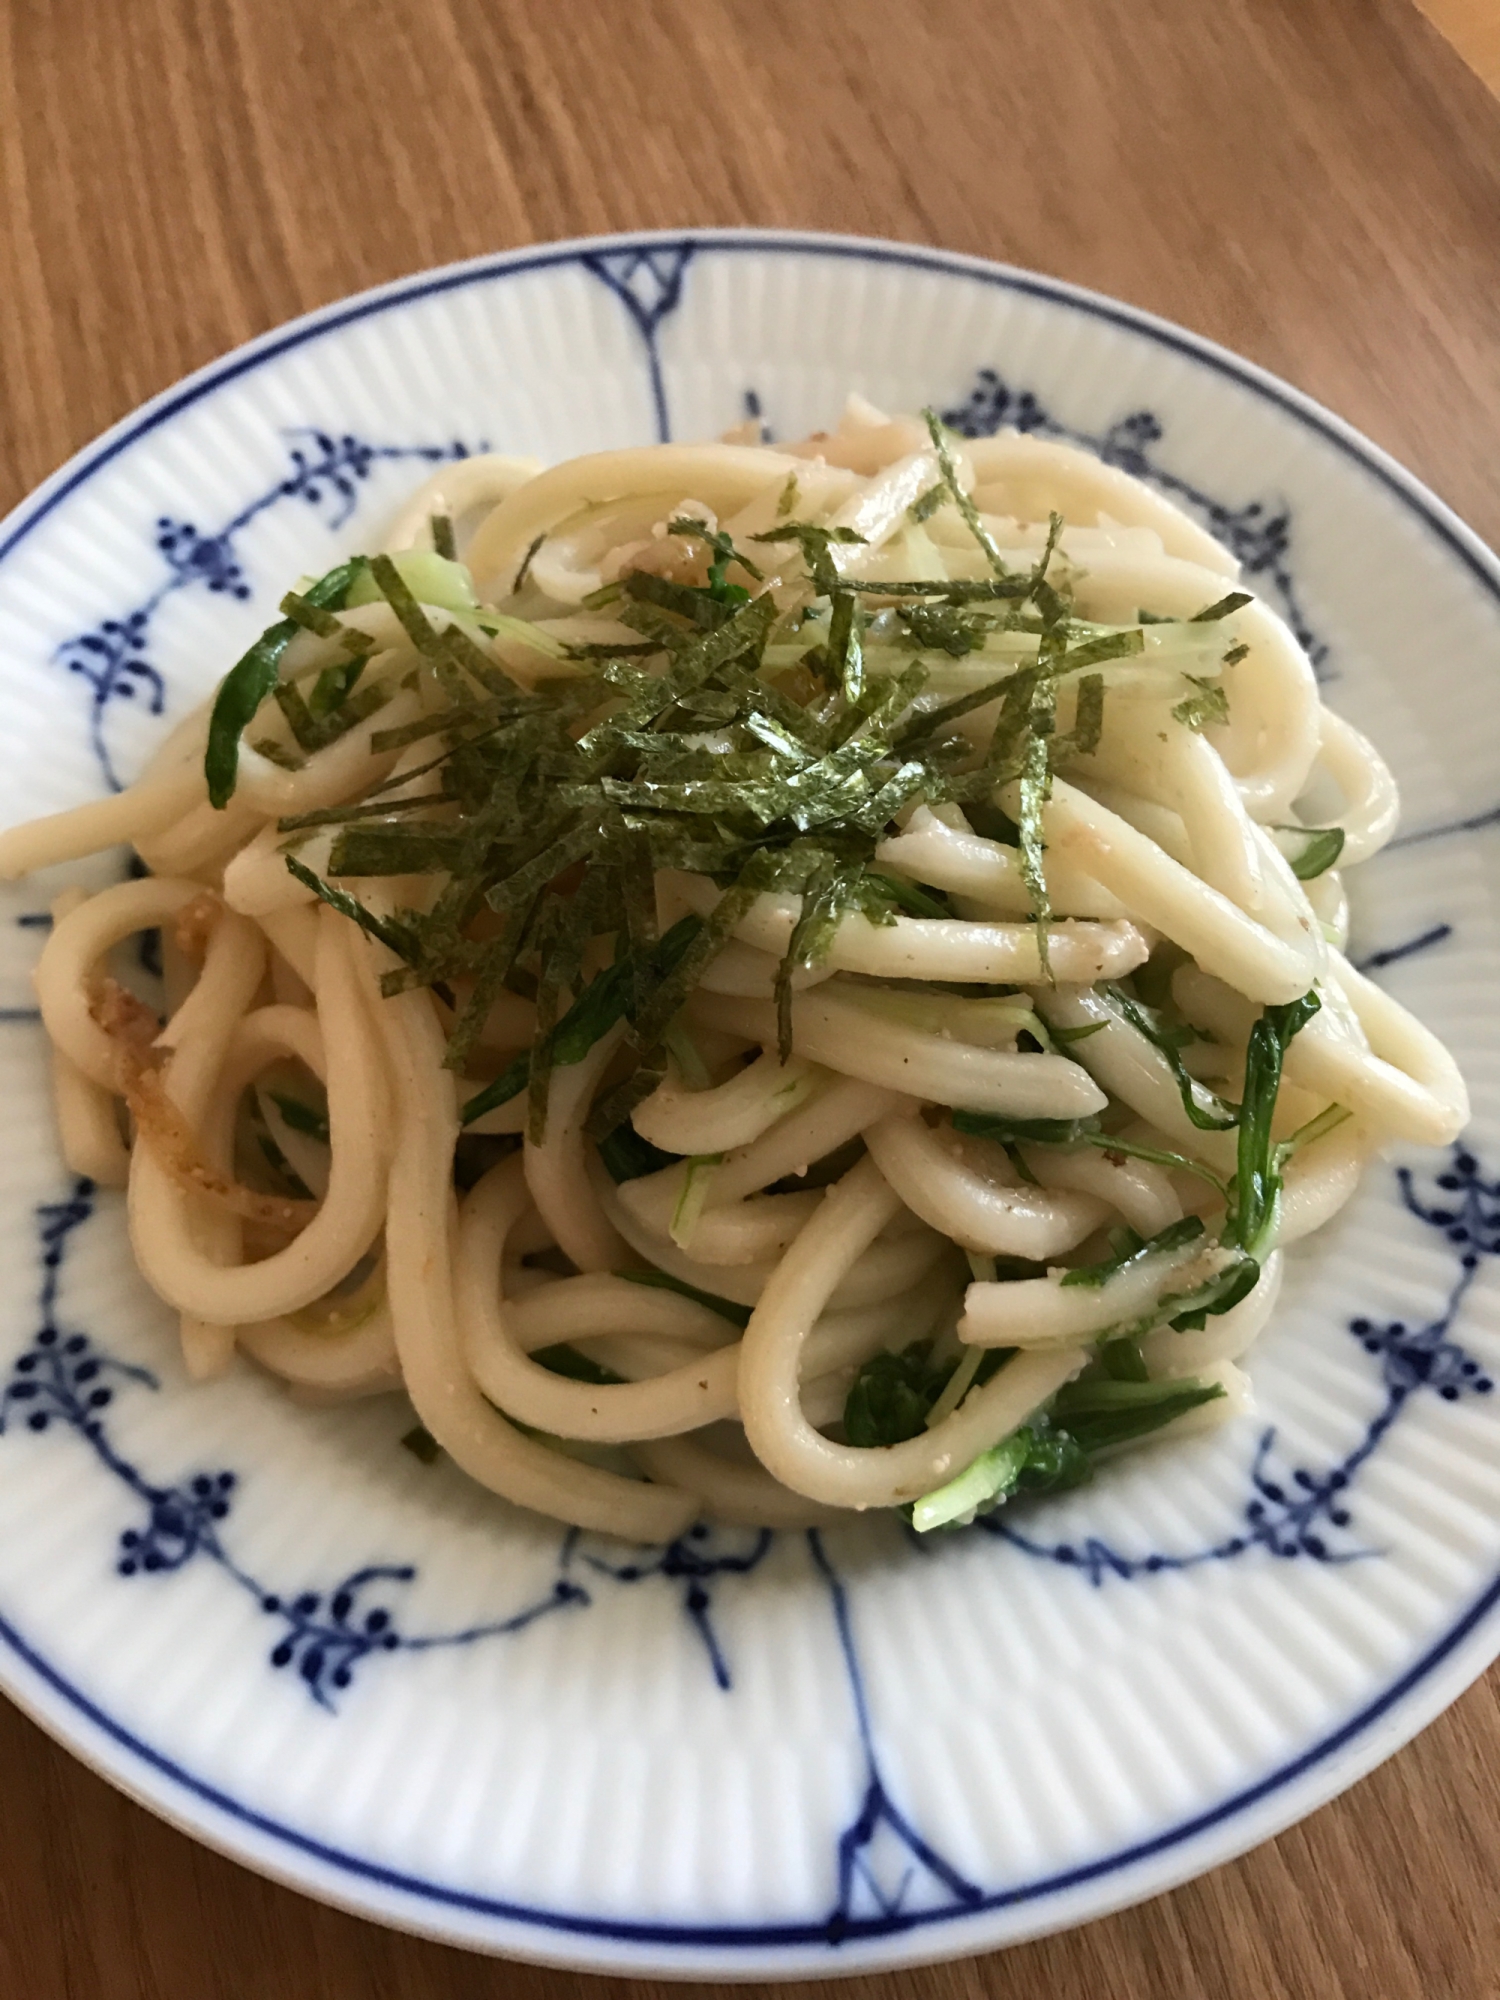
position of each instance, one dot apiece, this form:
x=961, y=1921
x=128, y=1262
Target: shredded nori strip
x=252, y=678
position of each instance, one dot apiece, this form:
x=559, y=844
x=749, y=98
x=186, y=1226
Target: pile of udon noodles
x=389, y=1278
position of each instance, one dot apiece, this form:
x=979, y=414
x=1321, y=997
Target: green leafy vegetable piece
x=1310, y=850
x=334, y=685
x=1034, y=1459
x=889, y=1398
x=1206, y=1109
x=1078, y=1132
x=1025, y=1131
x=1257, y=1181
x=301, y=1117
x=1065, y=1037
x=1123, y=1361
x=723, y=552
x=396, y=936
x=628, y=1157
x=725, y=1308
x=1134, y=1254
x=908, y=896
x=1217, y=1294
x=1101, y=1415
x=253, y=677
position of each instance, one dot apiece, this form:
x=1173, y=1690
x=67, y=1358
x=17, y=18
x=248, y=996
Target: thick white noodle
x=1398, y=1078
x=357, y=1361
x=1140, y=1193
x=733, y=1114
x=556, y=1169
x=1320, y=1179
x=457, y=489
x=349, y=1218
x=989, y=1210
x=831, y=1027
x=798, y=1290
x=420, y=1229
x=1043, y=1312
x=1165, y=895
x=891, y=1265
x=740, y=1494
x=987, y=873
x=836, y=1114
x=1173, y=1355
x=1038, y=475
x=741, y=1232
x=938, y=948
x=595, y=1303
x=88, y=1124
x=70, y=959
x=699, y=1392
x=1371, y=803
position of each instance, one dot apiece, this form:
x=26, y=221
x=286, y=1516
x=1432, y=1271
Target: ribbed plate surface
x=733, y=1757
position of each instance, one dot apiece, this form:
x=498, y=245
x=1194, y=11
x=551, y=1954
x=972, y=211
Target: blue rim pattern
x=607, y=258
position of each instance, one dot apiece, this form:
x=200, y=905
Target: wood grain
x=1473, y=27
x=1318, y=185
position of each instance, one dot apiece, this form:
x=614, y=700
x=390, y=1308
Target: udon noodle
x=745, y=981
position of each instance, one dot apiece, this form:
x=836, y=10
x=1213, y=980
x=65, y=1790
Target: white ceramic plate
x=743, y=1755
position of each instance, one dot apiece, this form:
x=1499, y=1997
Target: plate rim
x=789, y=1950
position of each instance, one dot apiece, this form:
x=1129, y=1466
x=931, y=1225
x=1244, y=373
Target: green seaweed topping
x=722, y=553
x=960, y=499
x=1222, y=607
x=815, y=543
x=1208, y=703
x=253, y=677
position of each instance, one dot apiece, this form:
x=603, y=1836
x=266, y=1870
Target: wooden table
x=1315, y=182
